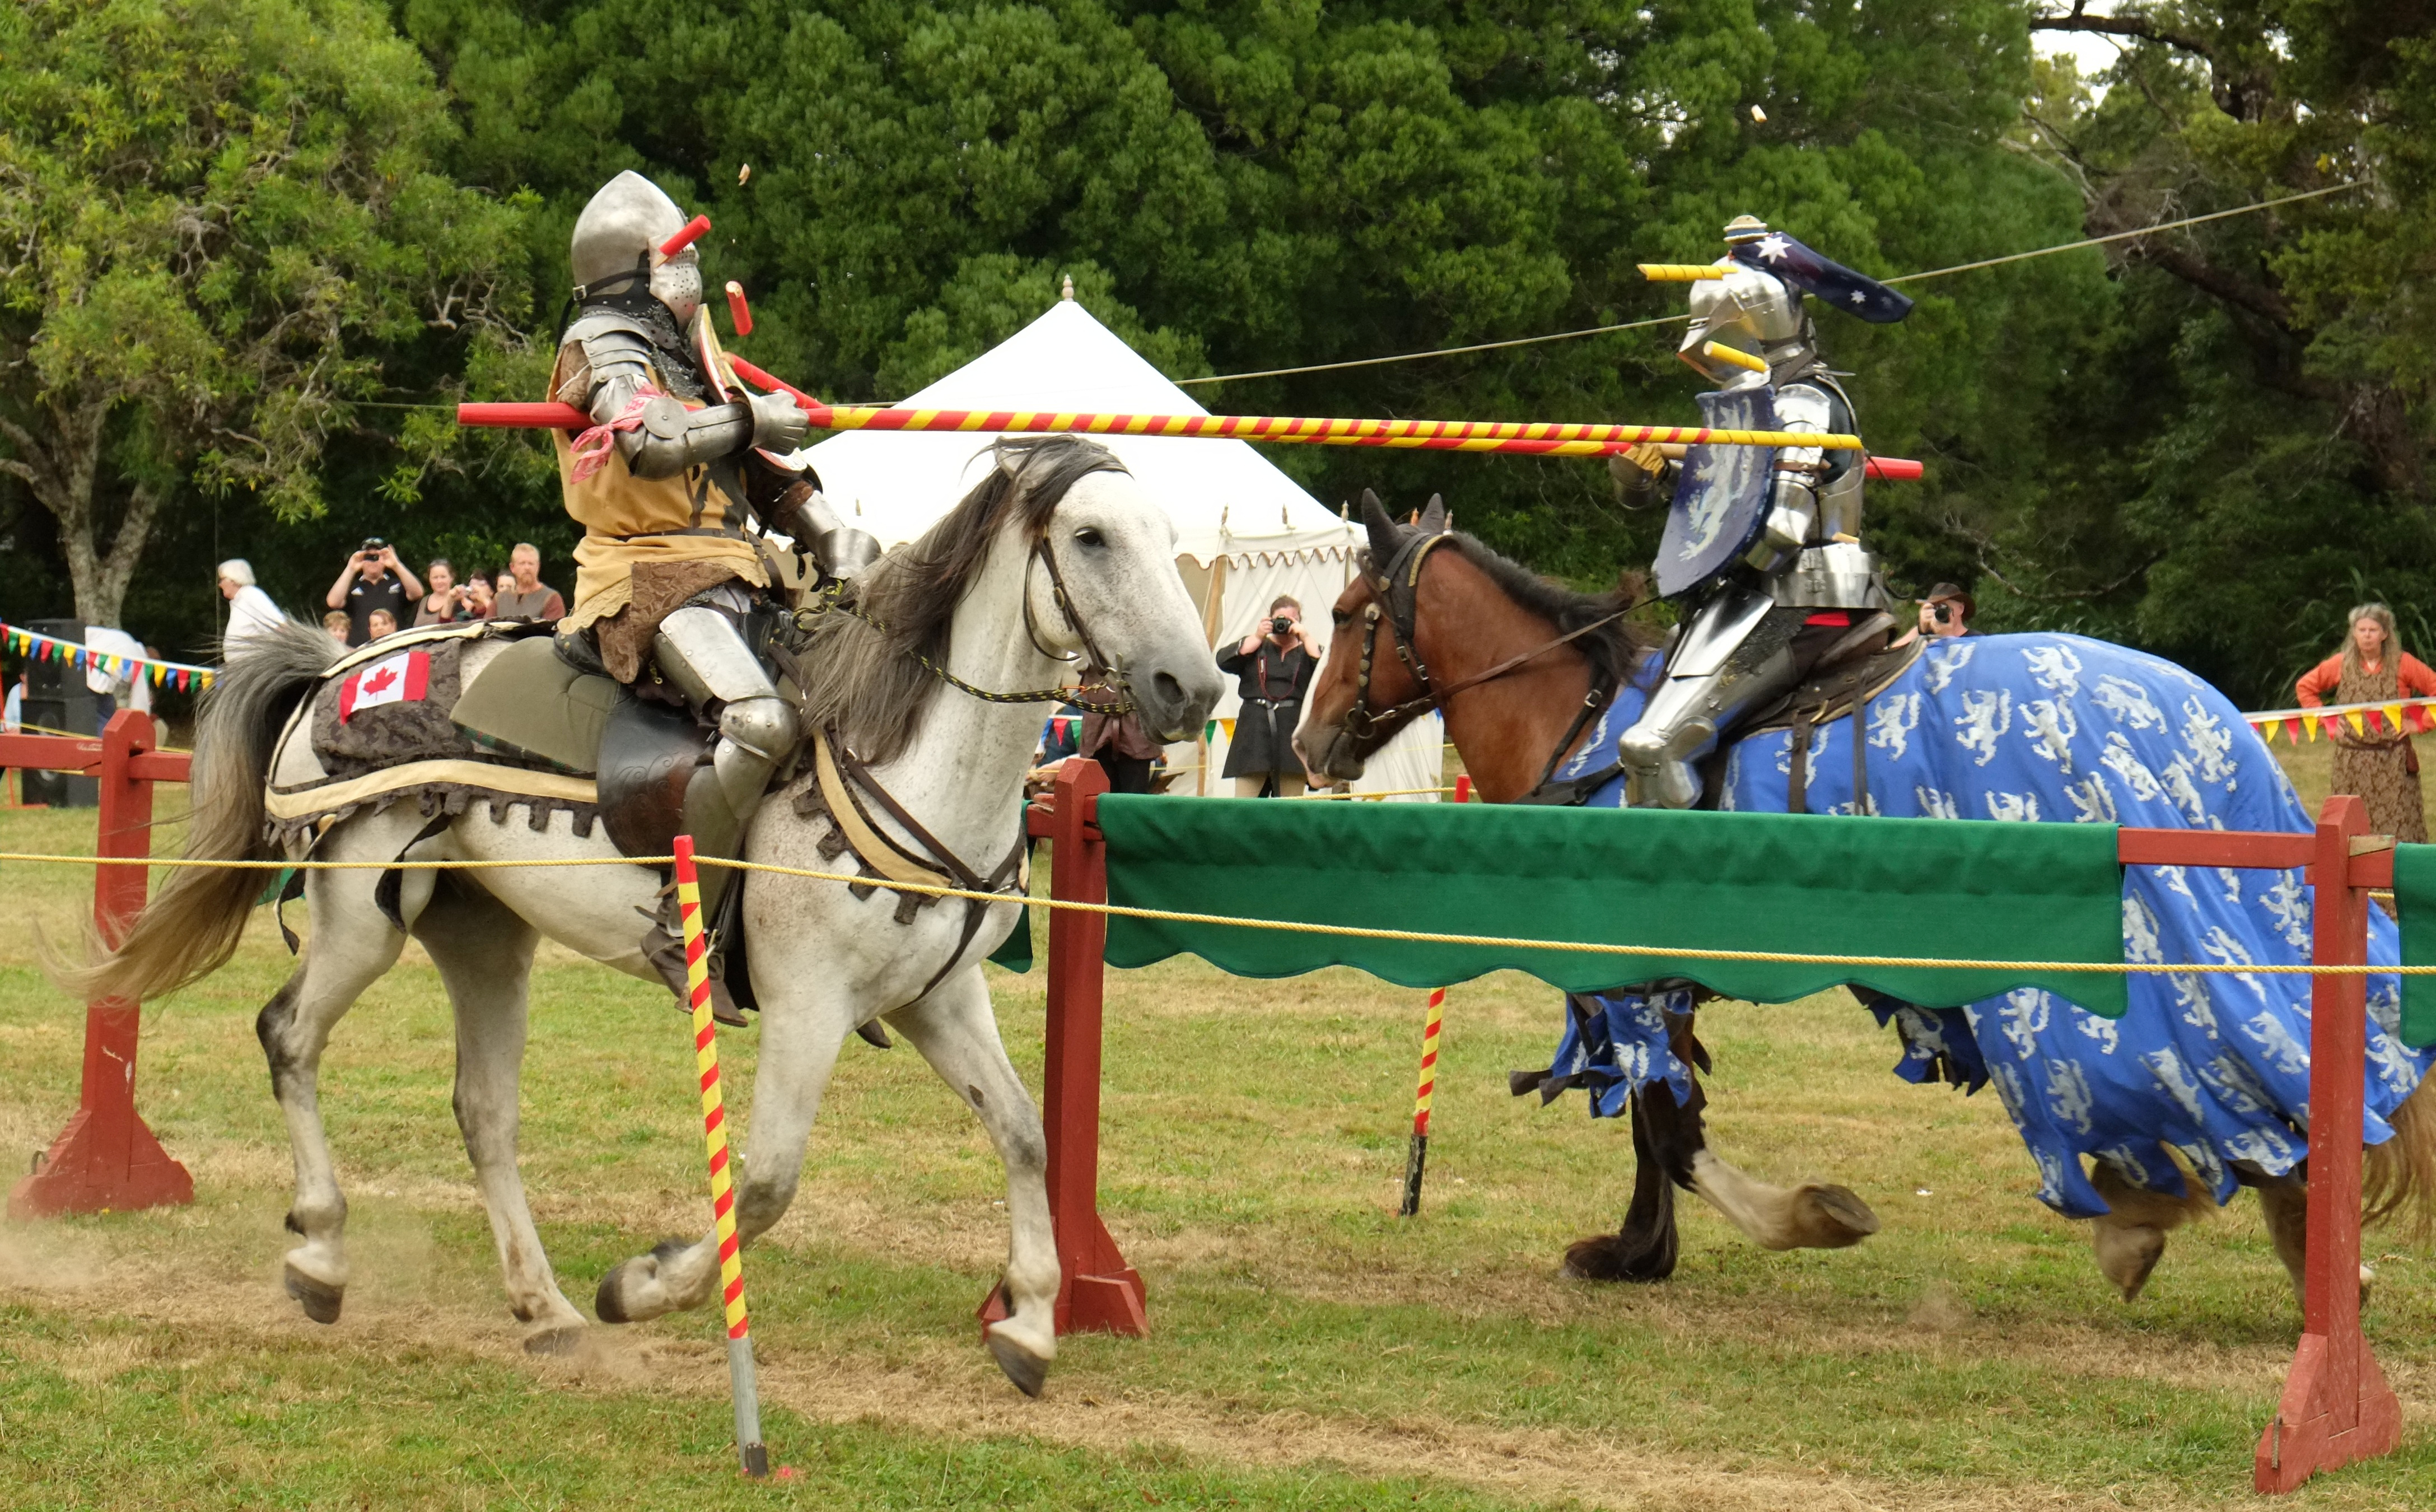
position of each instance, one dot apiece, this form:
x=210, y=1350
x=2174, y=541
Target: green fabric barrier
x=2414, y=899
x=1015, y=951
x=1787, y=882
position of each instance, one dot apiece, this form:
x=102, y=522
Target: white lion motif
x=2104, y=1031
x=1948, y=660
x=1892, y=721
x=2054, y=668
x=2121, y=760
x=2023, y=1019
x=2182, y=791
x=2268, y=1032
x=2050, y=726
x=2092, y=803
x=2014, y=807
x=1936, y=805
x=2128, y=701
x=2289, y=909
x=1986, y=716
x=2175, y=1077
x=2068, y=1097
x=2210, y=744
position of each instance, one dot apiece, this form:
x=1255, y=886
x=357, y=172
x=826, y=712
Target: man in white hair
x=251, y=611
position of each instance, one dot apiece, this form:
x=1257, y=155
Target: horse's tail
x=2398, y=1177
x=192, y=925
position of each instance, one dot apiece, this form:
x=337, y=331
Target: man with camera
x=1273, y=668
x=373, y=578
x=1945, y=614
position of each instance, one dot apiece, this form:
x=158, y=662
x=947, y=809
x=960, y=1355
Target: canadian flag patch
x=399, y=679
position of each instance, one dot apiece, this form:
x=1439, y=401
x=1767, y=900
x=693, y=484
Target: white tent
x=1246, y=532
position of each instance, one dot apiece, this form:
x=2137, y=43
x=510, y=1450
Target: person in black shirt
x=373, y=578
x=1273, y=668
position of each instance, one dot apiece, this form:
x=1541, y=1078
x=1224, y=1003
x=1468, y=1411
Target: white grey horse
x=979, y=595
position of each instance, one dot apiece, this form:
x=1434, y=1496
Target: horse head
x=1103, y=587
x=1343, y=725
x=1437, y=620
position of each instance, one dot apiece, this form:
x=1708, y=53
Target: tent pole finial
x=1068, y=295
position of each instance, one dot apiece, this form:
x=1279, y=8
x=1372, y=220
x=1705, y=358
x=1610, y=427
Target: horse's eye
x=1089, y=536
x=1339, y=616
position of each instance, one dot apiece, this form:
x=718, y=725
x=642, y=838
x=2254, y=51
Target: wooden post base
x=2308, y=1433
x=93, y=1168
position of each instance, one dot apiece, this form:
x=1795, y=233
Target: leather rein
x=1398, y=589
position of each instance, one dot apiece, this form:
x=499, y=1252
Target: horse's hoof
x=611, y=1302
x=319, y=1299
x=1832, y=1217
x=2127, y=1252
x=606, y=1303
x=565, y=1340
x=1026, y=1369
x=1606, y=1257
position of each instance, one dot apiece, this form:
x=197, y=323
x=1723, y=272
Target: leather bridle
x=1394, y=601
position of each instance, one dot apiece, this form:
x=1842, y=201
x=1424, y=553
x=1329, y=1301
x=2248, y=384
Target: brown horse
x=1512, y=660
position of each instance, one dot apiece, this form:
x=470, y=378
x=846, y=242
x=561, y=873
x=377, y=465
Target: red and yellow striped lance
x=1533, y=437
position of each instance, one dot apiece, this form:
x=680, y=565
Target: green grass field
x=1308, y=1348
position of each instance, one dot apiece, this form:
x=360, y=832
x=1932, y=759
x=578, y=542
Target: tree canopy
x=2207, y=441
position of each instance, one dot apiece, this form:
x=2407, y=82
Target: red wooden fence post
x=1096, y=1289
x=106, y=1158
x=2336, y=1407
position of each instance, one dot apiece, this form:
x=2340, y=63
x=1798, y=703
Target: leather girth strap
x=843, y=779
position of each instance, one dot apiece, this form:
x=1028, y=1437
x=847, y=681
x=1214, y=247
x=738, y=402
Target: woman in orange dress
x=2379, y=766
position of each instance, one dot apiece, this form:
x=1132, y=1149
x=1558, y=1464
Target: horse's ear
x=1383, y=530
x=1434, y=517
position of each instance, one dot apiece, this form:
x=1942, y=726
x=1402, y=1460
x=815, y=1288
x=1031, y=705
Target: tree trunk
x=61, y=469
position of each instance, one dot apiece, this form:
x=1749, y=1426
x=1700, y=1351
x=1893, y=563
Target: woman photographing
x=1272, y=668
x=2380, y=767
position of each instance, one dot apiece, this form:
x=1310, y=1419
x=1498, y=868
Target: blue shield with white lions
x=1721, y=498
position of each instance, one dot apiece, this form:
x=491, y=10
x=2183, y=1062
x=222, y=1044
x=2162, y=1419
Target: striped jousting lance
x=1420, y=1149
x=749, y=1449
x=1539, y=438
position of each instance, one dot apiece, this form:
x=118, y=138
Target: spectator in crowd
x=1117, y=741
x=1273, y=668
x=250, y=612
x=478, y=601
x=373, y=578
x=522, y=594
x=2379, y=764
x=382, y=625
x=444, y=602
x=123, y=687
x=337, y=624
x=1945, y=614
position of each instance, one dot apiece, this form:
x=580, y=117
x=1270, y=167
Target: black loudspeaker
x=58, y=700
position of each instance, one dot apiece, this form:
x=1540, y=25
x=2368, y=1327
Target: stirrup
x=666, y=953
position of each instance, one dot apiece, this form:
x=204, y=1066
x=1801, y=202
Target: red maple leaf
x=380, y=681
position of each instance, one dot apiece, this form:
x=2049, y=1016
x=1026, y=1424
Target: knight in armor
x=669, y=580
x=1762, y=548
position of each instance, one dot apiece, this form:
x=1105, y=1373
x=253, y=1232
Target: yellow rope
x=1286, y=926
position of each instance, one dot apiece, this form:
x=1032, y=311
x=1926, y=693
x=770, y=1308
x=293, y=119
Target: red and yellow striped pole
x=1421, y=1151
x=749, y=1448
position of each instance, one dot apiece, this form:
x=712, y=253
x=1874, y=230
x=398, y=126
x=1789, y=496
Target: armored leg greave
x=699, y=650
x=1735, y=654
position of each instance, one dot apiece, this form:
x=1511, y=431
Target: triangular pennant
x=2268, y=728
x=2359, y=725
x=2393, y=717
x=2310, y=722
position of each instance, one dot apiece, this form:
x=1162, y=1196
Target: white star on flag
x=1775, y=248
x=1859, y=298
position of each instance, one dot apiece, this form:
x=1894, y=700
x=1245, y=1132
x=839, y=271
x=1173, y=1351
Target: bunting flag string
x=2395, y=716
x=160, y=673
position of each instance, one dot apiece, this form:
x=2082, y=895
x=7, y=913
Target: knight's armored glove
x=779, y=424
x=1639, y=469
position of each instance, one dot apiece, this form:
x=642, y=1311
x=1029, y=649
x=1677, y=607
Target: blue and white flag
x=1823, y=278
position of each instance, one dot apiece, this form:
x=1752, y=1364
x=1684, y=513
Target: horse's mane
x=866, y=684
x=1619, y=652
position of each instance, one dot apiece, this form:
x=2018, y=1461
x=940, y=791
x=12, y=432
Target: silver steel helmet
x=1749, y=312
x=621, y=231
